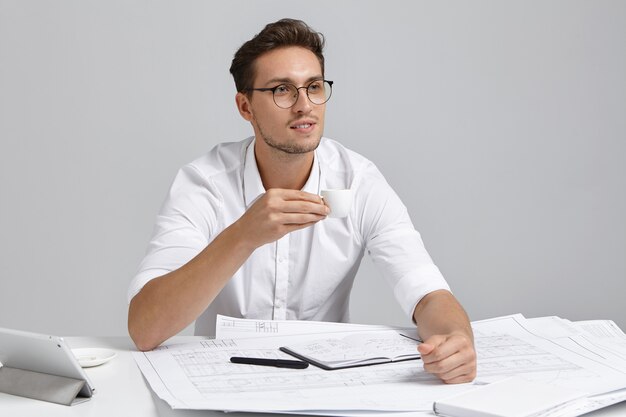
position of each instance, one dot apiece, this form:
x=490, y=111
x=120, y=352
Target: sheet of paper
x=234, y=328
x=508, y=346
x=604, y=333
x=586, y=405
x=552, y=327
x=598, y=340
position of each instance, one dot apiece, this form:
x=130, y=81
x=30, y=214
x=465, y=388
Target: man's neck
x=282, y=170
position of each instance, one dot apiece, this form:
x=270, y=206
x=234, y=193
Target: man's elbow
x=140, y=335
x=142, y=343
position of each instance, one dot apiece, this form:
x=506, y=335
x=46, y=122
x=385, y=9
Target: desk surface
x=122, y=390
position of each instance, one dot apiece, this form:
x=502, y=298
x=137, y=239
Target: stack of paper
x=585, y=356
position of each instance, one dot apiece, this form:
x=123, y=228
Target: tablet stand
x=40, y=386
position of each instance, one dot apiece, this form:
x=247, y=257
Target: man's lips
x=302, y=124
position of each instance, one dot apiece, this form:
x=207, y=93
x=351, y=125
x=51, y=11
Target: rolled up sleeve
x=394, y=245
x=183, y=227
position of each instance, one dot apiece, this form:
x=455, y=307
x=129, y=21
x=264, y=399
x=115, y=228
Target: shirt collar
x=253, y=186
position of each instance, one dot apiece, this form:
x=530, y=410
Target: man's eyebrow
x=290, y=81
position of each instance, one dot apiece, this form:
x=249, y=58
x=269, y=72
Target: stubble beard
x=288, y=148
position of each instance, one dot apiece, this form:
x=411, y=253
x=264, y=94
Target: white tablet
x=41, y=353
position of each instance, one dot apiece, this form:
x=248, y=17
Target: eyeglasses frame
x=273, y=89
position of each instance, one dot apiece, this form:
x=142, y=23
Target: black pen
x=279, y=363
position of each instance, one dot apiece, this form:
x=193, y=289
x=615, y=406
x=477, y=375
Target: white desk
x=122, y=391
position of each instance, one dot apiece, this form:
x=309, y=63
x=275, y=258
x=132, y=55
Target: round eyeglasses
x=286, y=95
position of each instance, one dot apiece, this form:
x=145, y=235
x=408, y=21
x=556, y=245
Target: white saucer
x=88, y=357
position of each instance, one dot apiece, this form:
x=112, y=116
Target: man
x=244, y=232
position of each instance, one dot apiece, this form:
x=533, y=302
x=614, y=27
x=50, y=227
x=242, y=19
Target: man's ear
x=243, y=105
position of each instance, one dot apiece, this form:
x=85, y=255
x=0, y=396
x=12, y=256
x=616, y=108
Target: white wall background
x=501, y=124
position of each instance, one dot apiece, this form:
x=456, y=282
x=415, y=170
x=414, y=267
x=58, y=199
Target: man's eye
x=316, y=87
x=281, y=90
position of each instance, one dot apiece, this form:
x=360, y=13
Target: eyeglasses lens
x=318, y=92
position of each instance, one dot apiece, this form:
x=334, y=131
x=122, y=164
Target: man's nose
x=303, y=104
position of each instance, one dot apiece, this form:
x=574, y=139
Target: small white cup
x=339, y=202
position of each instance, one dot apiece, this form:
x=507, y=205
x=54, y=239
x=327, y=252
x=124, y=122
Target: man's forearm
x=440, y=313
x=168, y=304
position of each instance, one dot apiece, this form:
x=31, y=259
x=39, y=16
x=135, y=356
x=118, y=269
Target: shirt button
x=281, y=259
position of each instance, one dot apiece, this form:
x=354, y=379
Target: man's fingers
x=425, y=348
x=296, y=195
x=461, y=379
x=300, y=206
x=300, y=218
x=440, y=348
x=465, y=372
x=294, y=201
x=294, y=227
x=447, y=364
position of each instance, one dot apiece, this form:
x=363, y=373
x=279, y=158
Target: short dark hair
x=283, y=33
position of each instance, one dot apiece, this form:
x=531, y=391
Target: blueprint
x=199, y=375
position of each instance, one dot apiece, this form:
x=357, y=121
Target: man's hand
x=448, y=348
x=450, y=357
x=278, y=212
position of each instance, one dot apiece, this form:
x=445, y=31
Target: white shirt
x=307, y=274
